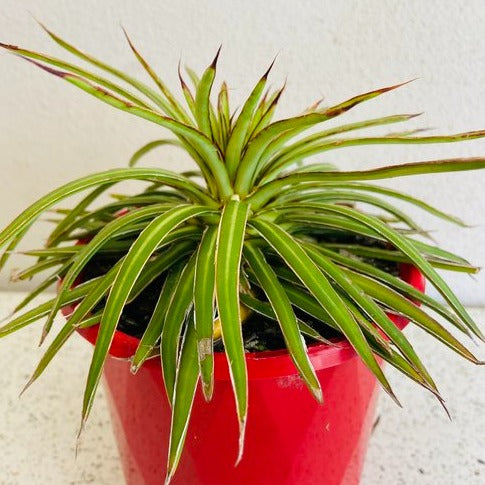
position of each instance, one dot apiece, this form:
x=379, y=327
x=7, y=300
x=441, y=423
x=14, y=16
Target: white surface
x=413, y=445
x=51, y=133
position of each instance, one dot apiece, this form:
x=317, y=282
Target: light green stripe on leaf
x=230, y=240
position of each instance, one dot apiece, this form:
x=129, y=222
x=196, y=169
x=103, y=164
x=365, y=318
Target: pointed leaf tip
x=181, y=79
x=27, y=385
x=127, y=37
x=9, y=47
x=266, y=74
x=396, y=86
x=242, y=435
x=40, y=24
x=214, y=62
x=318, y=394
x=48, y=69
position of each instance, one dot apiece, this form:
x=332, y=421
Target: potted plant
x=244, y=309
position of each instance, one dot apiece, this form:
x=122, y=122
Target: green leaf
x=393, y=282
x=208, y=151
x=149, y=147
x=322, y=135
x=139, y=86
x=43, y=309
x=39, y=267
x=311, y=276
x=264, y=114
x=180, y=304
x=41, y=287
x=285, y=316
x=160, y=263
x=230, y=240
x=130, y=270
x=176, y=109
x=372, y=310
x=83, y=257
x=398, y=256
x=52, y=61
x=16, y=238
x=61, y=338
x=269, y=190
x=407, y=247
x=185, y=387
x=77, y=211
x=241, y=127
x=306, y=302
x=349, y=197
x=109, y=176
x=280, y=163
x=326, y=220
x=202, y=97
x=224, y=115
x=204, y=292
x=189, y=97
x=267, y=311
x=80, y=313
x=302, y=196
x=250, y=163
x=402, y=305
x=152, y=333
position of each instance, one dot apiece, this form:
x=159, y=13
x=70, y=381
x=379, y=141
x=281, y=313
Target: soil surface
x=259, y=333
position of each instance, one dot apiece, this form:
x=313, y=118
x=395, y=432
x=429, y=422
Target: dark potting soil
x=259, y=333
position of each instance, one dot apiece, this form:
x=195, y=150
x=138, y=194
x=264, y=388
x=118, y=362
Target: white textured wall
x=51, y=133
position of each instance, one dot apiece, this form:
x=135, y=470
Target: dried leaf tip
x=9, y=47
x=395, y=86
x=48, y=69
x=179, y=71
x=214, y=62
x=49, y=32
x=280, y=92
x=127, y=37
x=266, y=74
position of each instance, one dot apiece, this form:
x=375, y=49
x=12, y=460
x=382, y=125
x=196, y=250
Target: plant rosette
x=258, y=238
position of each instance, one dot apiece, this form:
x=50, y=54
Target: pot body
x=290, y=438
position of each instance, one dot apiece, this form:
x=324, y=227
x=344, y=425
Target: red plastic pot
x=290, y=438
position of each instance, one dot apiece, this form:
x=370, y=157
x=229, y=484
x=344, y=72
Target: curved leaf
x=285, y=316
x=311, y=276
x=407, y=247
x=269, y=190
x=148, y=148
x=131, y=268
x=241, y=127
x=204, y=292
x=230, y=240
x=181, y=300
x=185, y=387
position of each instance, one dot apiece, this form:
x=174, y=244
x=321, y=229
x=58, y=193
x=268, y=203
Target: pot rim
x=260, y=365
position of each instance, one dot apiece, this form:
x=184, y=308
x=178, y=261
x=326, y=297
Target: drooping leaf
x=311, y=276
x=181, y=301
x=131, y=268
x=285, y=316
x=230, y=240
x=185, y=387
x=204, y=294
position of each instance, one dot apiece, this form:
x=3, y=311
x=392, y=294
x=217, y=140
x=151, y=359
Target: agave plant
x=253, y=231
